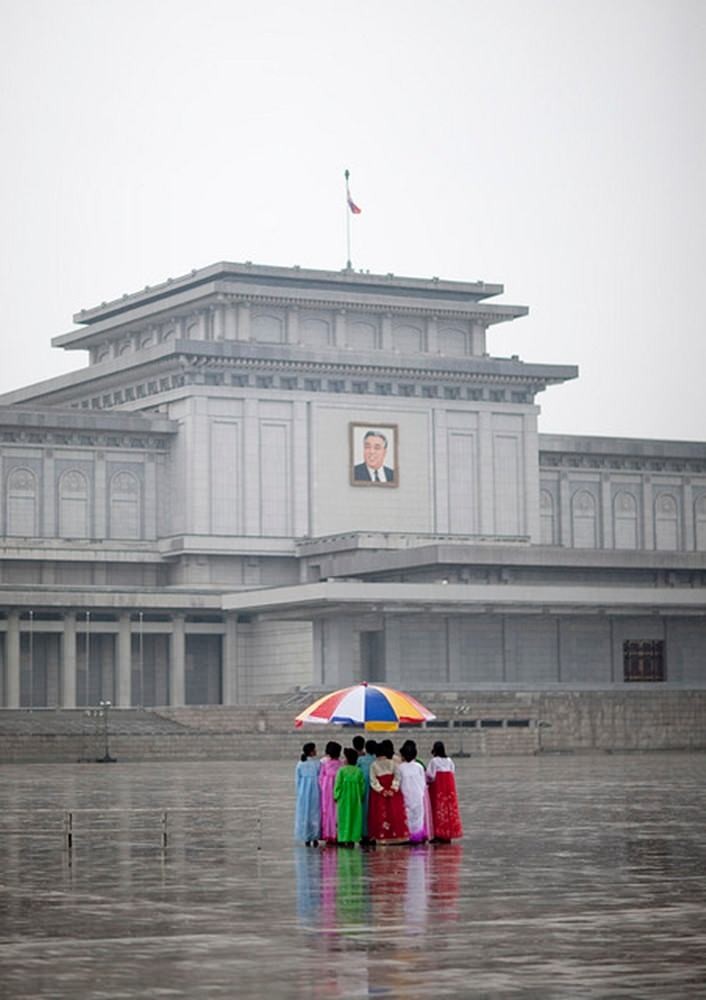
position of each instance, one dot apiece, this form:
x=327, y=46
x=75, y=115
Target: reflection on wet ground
x=577, y=877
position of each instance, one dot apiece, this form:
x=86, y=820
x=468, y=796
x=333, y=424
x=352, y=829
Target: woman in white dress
x=413, y=786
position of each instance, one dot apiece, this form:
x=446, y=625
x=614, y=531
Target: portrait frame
x=358, y=472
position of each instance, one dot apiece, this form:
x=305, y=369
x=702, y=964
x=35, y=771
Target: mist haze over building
x=192, y=516
x=556, y=148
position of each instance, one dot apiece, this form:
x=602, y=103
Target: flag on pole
x=351, y=204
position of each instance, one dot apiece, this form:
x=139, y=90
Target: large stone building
x=182, y=520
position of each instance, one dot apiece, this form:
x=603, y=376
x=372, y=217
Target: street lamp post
x=106, y=758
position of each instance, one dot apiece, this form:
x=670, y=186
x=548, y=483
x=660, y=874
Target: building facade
x=190, y=519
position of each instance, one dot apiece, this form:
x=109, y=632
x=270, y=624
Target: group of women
x=375, y=796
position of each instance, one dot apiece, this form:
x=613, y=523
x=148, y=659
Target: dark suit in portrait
x=361, y=474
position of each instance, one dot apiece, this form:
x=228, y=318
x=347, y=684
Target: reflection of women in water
x=442, y=790
x=387, y=822
x=330, y=766
x=307, y=816
x=414, y=792
x=349, y=793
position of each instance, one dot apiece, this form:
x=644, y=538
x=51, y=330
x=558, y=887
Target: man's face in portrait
x=374, y=451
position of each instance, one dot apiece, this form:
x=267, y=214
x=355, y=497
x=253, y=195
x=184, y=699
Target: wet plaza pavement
x=577, y=877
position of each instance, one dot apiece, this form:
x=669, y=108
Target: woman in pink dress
x=331, y=764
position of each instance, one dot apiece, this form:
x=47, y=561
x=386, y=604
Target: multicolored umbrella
x=374, y=706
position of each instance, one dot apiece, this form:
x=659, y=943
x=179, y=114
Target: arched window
x=73, y=505
x=22, y=503
x=125, y=506
x=583, y=520
x=546, y=518
x=666, y=522
x=267, y=328
x=625, y=520
x=700, y=523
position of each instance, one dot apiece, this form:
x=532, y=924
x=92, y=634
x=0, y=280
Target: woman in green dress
x=349, y=793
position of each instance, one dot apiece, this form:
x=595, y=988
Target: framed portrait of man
x=374, y=455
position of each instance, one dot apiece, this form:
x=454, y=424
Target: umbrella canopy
x=371, y=705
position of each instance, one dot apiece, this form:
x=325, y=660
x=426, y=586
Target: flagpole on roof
x=349, y=265
x=351, y=209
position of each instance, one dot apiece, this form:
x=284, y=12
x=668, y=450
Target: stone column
x=688, y=533
x=532, y=486
x=300, y=465
x=393, y=665
x=243, y=329
x=177, y=661
x=386, y=332
x=477, y=339
x=432, y=344
x=607, y=511
x=150, y=499
x=339, y=328
x=218, y=326
x=68, y=661
x=486, y=473
x=12, y=659
x=648, y=522
x=291, y=332
x=230, y=660
x=564, y=510
x=123, y=673
x=251, y=465
x=230, y=323
x=49, y=526
x=440, y=473
x=100, y=487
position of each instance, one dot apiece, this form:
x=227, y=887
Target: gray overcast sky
x=556, y=146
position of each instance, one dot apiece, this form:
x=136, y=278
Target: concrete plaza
x=578, y=876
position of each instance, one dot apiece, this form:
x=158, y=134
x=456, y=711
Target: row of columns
x=72, y=626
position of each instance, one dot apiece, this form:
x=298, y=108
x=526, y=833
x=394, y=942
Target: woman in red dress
x=387, y=818
x=442, y=791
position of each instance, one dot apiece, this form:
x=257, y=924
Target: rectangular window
x=643, y=660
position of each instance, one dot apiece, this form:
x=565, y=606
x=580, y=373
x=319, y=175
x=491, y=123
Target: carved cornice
x=85, y=439
x=342, y=368
x=620, y=463
x=478, y=312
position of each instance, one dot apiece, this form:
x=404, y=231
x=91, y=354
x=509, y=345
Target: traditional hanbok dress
x=364, y=762
x=307, y=814
x=444, y=800
x=413, y=785
x=349, y=793
x=387, y=820
x=330, y=766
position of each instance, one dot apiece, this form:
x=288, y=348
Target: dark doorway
x=372, y=656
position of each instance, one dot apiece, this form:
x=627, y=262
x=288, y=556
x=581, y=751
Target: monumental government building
x=196, y=517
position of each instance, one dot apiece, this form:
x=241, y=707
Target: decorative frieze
x=571, y=460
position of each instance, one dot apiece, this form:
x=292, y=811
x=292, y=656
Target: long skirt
x=387, y=819
x=444, y=806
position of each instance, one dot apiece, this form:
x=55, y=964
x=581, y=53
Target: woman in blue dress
x=307, y=816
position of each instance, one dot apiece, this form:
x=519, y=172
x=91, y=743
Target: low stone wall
x=634, y=719
x=479, y=724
